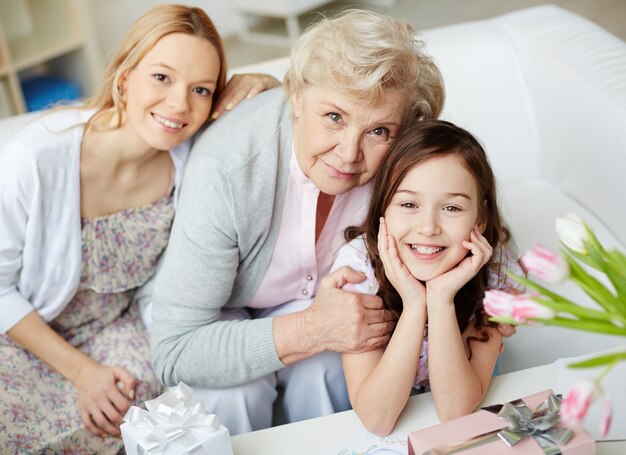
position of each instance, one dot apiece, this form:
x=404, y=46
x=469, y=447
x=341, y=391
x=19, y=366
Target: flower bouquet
x=580, y=248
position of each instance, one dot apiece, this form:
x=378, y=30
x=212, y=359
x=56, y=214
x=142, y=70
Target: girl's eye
x=381, y=134
x=450, y=208
x=334, y=116
x=202, y=91
x=160, y=77
x=408, y=205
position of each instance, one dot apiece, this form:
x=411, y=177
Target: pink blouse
x=298, y=262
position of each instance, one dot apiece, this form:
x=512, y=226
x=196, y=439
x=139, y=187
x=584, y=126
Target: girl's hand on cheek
x=448, y=284
x=410, y=289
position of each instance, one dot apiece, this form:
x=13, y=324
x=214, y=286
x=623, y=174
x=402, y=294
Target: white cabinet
x=45, y=37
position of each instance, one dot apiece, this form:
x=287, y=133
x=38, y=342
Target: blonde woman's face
x=169, y=94
x=339, y=142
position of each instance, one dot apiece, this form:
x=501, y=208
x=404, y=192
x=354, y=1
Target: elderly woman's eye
x=334, y=116
x=381, y=133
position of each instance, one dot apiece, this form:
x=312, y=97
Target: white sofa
x=545, y=90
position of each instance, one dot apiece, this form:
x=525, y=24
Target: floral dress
x=38, y=406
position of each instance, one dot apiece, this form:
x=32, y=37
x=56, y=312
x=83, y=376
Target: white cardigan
x=40, y=238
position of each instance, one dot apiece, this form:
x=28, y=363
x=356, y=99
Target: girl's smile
x=425, y=252
x=431, y=214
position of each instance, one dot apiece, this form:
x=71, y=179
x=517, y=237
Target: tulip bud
x=572, y=232
x=498, y=303
x=517, y=308
x=607, y=415
x=525, y=308
x=546, y=264
x=578, y=400
x=576, y=403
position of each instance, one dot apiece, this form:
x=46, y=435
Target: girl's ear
x=482, y=218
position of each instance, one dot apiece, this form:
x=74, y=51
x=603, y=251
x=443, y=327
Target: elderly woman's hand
x=242, y=86
x=343, y=321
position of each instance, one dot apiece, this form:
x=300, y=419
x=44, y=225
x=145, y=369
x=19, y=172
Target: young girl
x=427, y=250
x=87, y=197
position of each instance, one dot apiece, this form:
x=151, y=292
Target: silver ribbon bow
x=171, y=417
x=538, y=424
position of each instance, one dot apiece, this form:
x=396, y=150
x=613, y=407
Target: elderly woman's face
x=339, y=143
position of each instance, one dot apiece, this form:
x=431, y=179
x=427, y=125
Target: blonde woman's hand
x=411, y=290
x=104, y=395
x=242, y=86
x=448, y=284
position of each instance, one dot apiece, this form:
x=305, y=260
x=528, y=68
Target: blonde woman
x=87, y=197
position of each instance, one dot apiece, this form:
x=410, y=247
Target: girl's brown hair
x=422, y=141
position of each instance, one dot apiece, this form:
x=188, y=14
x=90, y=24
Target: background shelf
x=44, y=38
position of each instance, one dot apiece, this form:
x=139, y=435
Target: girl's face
x=433, y=210
x=169, y=94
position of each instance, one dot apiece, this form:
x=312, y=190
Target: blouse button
x=309, y=278
x=305, y=292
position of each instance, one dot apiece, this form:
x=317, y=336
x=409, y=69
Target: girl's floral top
x=354, y=255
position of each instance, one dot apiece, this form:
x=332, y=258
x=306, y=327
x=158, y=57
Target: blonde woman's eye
x=202, y=91
x=160, y=77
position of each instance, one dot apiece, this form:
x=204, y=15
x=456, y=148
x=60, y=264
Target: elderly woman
x=243, y=302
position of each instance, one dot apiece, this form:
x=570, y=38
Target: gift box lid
x=454, y=432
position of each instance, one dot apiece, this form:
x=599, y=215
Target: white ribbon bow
x=171, y=417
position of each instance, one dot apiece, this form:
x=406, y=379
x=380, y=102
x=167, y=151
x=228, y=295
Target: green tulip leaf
x=593, y=288
x=599, y=361
x=585, y=326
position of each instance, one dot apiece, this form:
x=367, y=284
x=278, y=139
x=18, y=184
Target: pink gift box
x=465, y=428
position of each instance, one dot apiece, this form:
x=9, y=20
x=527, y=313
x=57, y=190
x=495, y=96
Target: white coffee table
x=322, y=435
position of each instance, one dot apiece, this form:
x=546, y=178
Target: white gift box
x=174, y=424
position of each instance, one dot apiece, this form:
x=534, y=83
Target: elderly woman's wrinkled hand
x=348, y=322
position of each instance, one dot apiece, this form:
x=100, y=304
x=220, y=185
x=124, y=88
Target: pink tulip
x=546, y=264
x=498, y=303
x=577, y=401
x=518, y=308
x=525, y=308
x=576, y=404
x=607, y=415
x=572, y=233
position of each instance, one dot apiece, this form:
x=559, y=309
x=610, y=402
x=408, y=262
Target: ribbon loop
x=538, y=424
x=171, y=417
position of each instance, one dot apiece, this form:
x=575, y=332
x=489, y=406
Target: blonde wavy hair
x=140, y=39
x=361, y=54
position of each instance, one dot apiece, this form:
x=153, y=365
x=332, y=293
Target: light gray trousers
x=312, y=387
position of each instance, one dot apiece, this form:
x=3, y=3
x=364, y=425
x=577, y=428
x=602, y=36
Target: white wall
x=112, y=18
